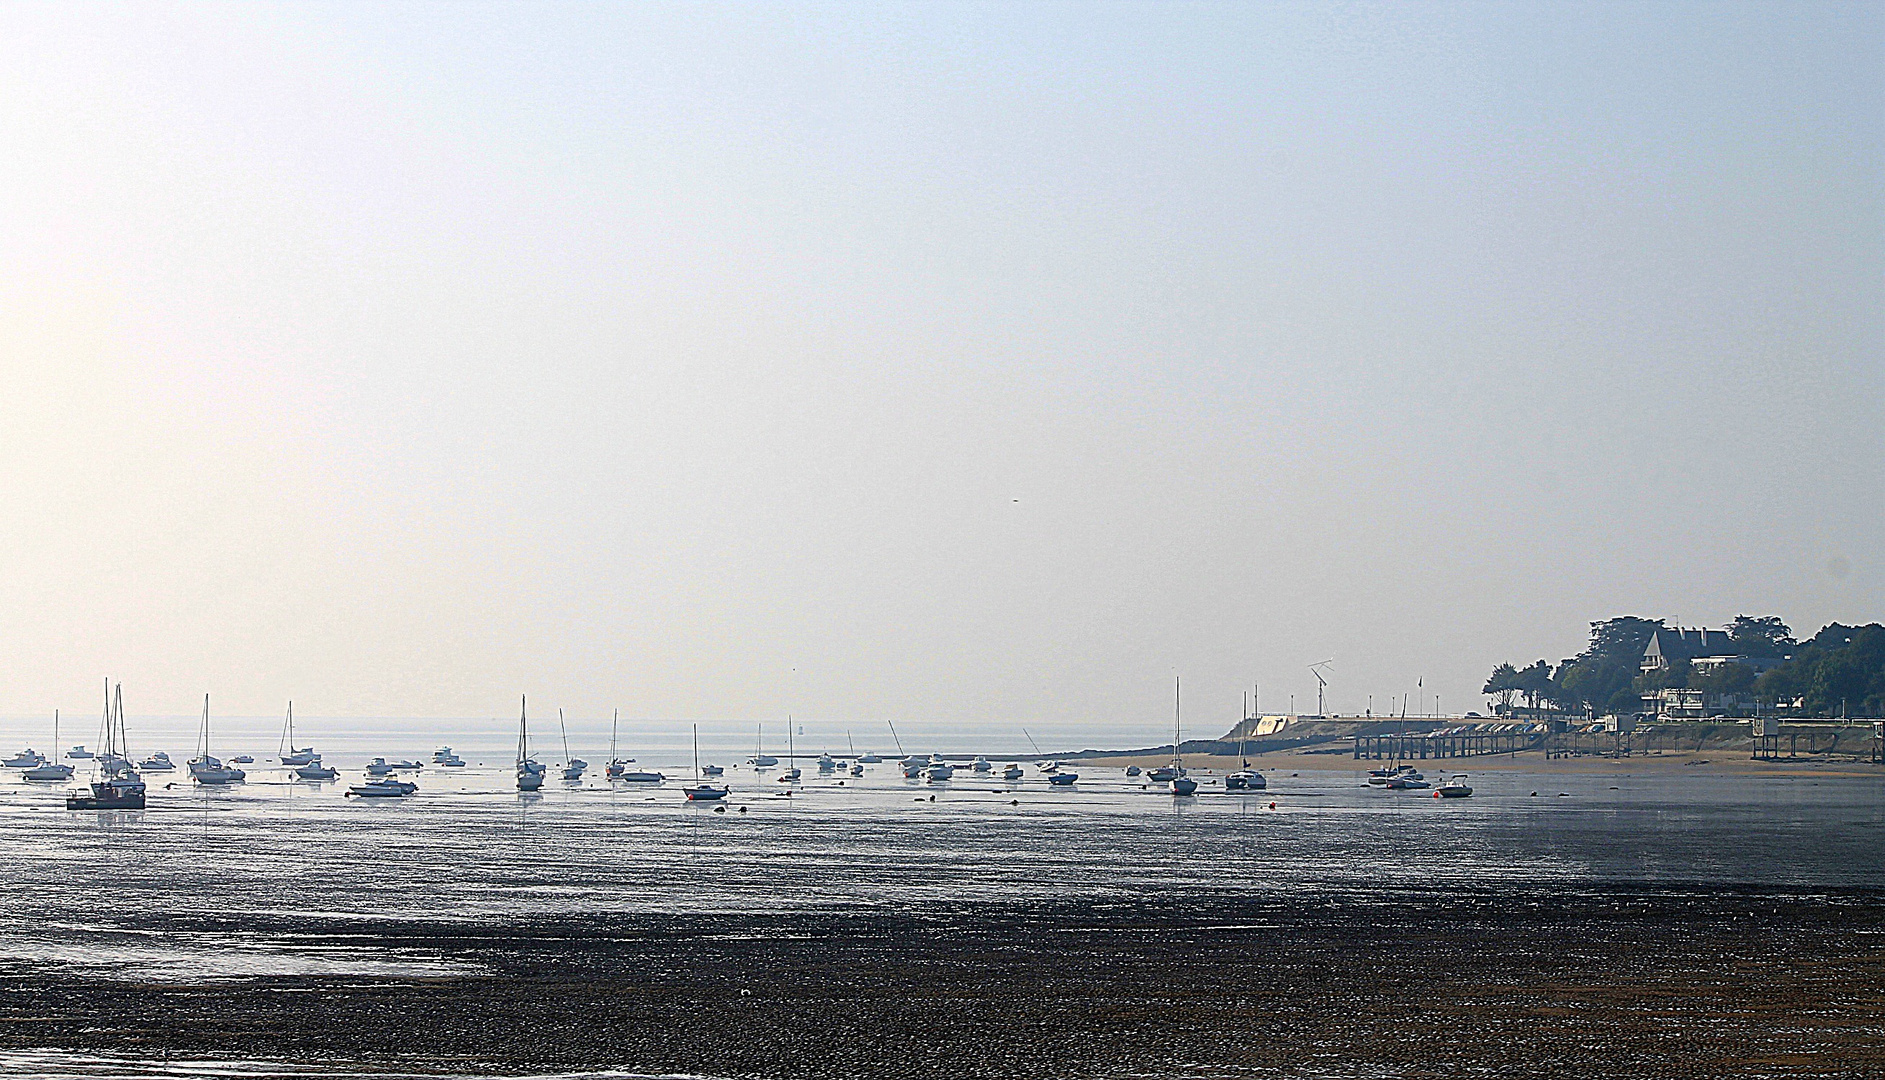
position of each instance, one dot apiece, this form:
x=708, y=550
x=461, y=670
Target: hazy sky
x=977, y=362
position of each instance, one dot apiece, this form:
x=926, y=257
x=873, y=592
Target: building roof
x=1687, y=643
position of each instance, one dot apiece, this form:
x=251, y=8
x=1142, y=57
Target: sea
x=197, y=879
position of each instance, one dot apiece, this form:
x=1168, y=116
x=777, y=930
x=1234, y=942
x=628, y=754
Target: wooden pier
x=1420, y=746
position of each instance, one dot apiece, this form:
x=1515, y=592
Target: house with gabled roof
x=1672, y=643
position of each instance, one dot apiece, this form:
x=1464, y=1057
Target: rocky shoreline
x=1646, y=982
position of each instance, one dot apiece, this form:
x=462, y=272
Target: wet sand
x=1662, y=982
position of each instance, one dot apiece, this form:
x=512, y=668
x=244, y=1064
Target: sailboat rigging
x=529, y=773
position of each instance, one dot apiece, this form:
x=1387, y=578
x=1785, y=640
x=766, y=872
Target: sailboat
x=791, y=773
x=51, y=771
x=529, y=773
x=701, y=791
x=617, y=766
x=760, y=759
x=1246, y=779
x=205, y=768
x=115, y=786
x=573, y=766
x=1044, y=766
x=287, y=751
x=1181, y=784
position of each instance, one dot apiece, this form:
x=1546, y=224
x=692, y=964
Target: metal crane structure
x=1321, y=683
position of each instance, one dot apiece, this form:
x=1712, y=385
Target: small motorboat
x=1012, y=772
x=641, y=776
x=79, y=753
x=827, y=763
x=208, y=770
x=942, y=771
x=1164, y=774
x=157, y=762
x=1047, y=766
x=28, y=758
x=982, y=765
x=857, y=769
x=384, y=787
x=914, y=768
x=712, y=770
x=379, y=767
x=1133, y=770
x=242, y=759
x=762, y=761
x=403, y=765
x=870, y=759
x=449, y=761
x=790, y=776
x=316, y=771
x=442, y=755
x=1063, y=779
x=1455, y=788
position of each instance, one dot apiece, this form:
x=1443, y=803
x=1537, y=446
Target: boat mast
x=696, y=753
x=1178, y=758
x=614, y=718
x=565, y=729
x=523, y=728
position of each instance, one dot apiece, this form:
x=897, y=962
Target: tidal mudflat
x=1684, y=926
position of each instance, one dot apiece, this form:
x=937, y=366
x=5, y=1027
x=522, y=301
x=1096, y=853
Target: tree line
x=1839, y=671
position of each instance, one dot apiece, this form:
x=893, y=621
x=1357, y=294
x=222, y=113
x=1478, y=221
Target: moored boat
x=529, y=771
x=115, y=786
x=206, y=768
x=288, y=753
x=700, y=790
x=384, y=787
x=1455, y=788
x=50, y=771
